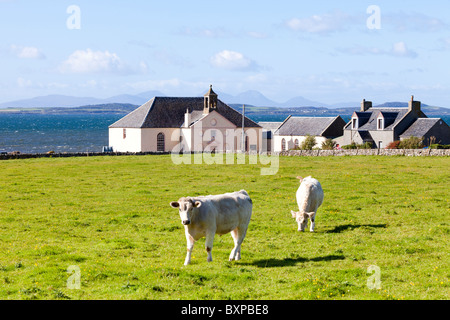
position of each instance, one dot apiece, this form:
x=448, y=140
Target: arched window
x=160, y=143
x=283, y=144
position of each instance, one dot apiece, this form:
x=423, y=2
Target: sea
x=71, y=133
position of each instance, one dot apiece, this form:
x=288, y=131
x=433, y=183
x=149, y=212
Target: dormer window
x=380, y=122
x=355, y=123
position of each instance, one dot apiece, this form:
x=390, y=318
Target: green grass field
x=110, y=218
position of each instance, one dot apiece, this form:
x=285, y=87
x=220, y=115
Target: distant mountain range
x=62, y=101
x=255, y=102
x=251, y=97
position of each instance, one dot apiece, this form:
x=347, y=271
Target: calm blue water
x=40, y=133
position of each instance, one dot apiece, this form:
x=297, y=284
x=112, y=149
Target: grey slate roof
x=302, y=126
x=420, y=127
x=168, y=112
x=269, y=125
x=368, y=119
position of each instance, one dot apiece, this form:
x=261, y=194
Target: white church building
x=177, y=124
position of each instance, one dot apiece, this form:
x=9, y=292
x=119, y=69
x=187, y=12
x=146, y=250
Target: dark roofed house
x=166, y=124
x=432, y=130
x=291, y=133
x=381, y=126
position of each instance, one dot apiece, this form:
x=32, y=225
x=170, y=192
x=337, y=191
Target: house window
x=160, y=143
x=124, y=133
x=380, y=144
x=354, y=123
x=296, y=143
x=283, y=144
x=213, y=135
x=380, y=124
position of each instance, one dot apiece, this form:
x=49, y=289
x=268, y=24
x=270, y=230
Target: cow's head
x=185, y=206
x=301, y=218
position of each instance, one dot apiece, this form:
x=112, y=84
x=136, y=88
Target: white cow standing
x=205, y=216
x=309, y=198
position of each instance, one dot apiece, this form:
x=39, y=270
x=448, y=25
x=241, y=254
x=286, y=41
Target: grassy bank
x=110, y=217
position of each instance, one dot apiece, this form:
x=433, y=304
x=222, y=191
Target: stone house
x=177, y=124
x=381, y=126
x=294, y=130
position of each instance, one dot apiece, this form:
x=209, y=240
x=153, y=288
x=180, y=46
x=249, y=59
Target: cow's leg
x=238, y=236
x=190, y=245
x=313, y=222
x=209, y=244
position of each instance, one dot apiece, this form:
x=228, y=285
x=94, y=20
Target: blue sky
x=321, y=50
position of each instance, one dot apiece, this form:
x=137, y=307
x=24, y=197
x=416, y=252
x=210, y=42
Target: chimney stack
x=365, y=105
x=187, y=119
x=414, y=106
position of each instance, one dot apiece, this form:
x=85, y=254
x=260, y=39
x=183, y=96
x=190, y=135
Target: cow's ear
x=300, y=178
x=197, y=204
x=309, y=214
x=174, y=204
x=294, y=214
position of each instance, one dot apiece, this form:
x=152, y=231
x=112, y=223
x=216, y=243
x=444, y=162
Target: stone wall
x=303, y=153
x=368, y=152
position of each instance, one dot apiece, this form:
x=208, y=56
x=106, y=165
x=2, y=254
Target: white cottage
x=294, y=130
x=166, y=124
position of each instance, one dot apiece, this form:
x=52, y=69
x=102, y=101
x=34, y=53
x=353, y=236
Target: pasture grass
x=110, y=217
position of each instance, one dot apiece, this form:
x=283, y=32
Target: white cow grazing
x=309, y=198
x=204, y=216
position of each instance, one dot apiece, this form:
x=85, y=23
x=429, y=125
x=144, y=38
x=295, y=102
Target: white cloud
x=24, y=83
x=232, y=60
x=320, y=24
x=170, y=57
x=257, y=35
x=398, y=49
x=89, y=61
x=214, y=33
x=26, y=52
x=418, y=22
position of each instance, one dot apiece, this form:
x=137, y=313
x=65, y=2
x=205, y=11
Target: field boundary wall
x=290, y=153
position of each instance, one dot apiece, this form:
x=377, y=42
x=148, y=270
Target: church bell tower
x=209, y=101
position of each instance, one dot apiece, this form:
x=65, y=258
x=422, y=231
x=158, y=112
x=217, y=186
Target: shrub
x=365, y=145
x=440, y=146
x=353, y=145
x=411, y=143
x=328, y=144
x=308, y=143
x=393, y=145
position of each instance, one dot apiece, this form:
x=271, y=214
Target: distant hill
x=256, y=104
x=63, y=101
x=250, y=97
